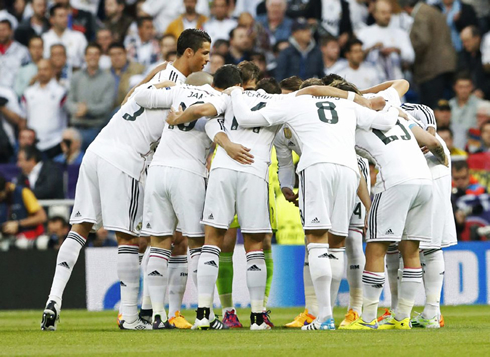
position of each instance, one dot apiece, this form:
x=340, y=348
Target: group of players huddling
x=146, y=175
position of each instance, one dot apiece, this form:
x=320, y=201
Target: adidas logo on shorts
x=155, y=273
x=78, y=214
x=254, y=268
x=211, y=263
x=211, y=216
x=64, y=265
x=122, y=284
x=324, y=255
x=331, y=256
x=315, y=220
x=148, y=225
x=389, y=231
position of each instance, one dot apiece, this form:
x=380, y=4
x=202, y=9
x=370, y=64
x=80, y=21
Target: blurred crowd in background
x=66, y=66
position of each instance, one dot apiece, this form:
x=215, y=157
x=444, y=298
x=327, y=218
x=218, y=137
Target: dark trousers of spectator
x=52, y=152
x=434, y=89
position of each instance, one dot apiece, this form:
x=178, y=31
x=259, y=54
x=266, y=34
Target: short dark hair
x=193, y=39
x=121, y=2
x=291, y=83
x=462, y=76
x=344, y=85
x=459, y=165
x=324, y=40
x=168, y=35
x=445, y=128
x=140, y=20
x=228, y=75
x=269, y=85
x=31, y=152
x=232, y=32
x=7, y=22
x=60, y=219
x=311, y=82
x=249, y=70
x=116, y=45
x=53, y=9
x=170, y=53
x=93, y=45
x=58, y=45
x=474, y=31
x=220, y=42
x=34, y=37
x=352, y=42
x=329, y=78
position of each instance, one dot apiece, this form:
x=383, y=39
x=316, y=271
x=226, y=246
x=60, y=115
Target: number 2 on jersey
x=388, y=139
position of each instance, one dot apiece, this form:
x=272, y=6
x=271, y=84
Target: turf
x=83, y=333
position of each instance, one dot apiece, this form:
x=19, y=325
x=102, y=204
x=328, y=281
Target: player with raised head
x=109, y=188
x=325, y=127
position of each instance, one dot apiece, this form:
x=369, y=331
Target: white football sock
x=337, y=264
x=207, y=274
x=65, y=261
x=392, y=266
x=411, y=280
x=145, y=300
x=195, y=253
x=311, y=303
x=321, y=275
x=355, y=265
x=177, y=281
x=433, y=279
x=129, y=276
x=157, y=279
x=372, y=284
x=256, y=279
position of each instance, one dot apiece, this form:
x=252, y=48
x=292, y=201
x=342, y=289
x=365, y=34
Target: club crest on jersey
x=287, y=133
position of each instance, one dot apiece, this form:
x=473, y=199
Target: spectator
x=435, y=58
x=221, y=46
x=303, y=58
x=240, y=46
x=482, y=9
x=275, y=21
x=249, y=6
x=62, y=69
x=216, y=61
x=168, y=43
x=144, y=47
x=220, y=25
x=79, y=20
x=71, y=145
x=362, y=74
x=442, y=112
x=13, y=55
x=463, y=109
x=260, y=61
x=485, y=137
x=291, y=84
x=171, y=56
x=21, y=215
x=333, y=17
x=258, y=35
x=5, y=15
x=90, y=97
x=189, y=19
x=26, y=75
x=163, y=12
x=331, y=55
x=35, y=25
x=11, y=118
x=485, y=51
x=387, y=47
x=44, y=178
x=471, y=59
x=447, y=135
x=74, y=41
x=44, y=107
x=27, y=137
x=358, y=14
x=122, y=70
x=250, y=74
x=103, y=239
x=57, y=231
x=458, y=16
x=104, y=39
x=116, y=20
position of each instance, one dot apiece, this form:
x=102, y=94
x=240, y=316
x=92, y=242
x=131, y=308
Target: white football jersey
x=325, y=126
x=132, y=134
x=422, y=113
x=285, y=143
x=258, y=140
x=183, y=146
x=396, y=154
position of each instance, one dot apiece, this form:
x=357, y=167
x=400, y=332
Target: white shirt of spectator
x=219, y=30
x=45, y=113
x=331, y=14
x=33, y=176
x=259, y=140
x=128, y=140
x=15, y=57
x=87, y=5
x=183, y=146
x=74, y=42
x=358, y=14
x=389, y=37
x=13, y=105
x=249, y=6
x=485, y=49
x=337, y=66
x=364, y=77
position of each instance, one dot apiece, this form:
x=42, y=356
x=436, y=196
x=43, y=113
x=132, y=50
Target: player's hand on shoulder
x=173, y=115
x=231, y=89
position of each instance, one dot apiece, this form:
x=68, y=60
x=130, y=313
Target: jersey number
x=234, y=123
x=357, y=210
x=322, y=108
x=133, y=117
x=388, y=139
x=187, y=126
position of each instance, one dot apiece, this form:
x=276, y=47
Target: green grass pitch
x=82, y=333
